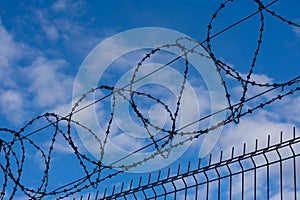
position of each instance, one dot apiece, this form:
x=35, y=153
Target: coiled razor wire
x=15, y=144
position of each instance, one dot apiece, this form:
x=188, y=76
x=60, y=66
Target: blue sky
x=44, y=43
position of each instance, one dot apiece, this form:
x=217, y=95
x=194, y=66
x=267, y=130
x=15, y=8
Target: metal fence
x=271, y=172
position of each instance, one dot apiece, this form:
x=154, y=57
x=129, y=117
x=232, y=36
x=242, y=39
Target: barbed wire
x=15, y=144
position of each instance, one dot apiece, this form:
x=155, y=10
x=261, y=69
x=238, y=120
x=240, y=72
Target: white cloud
x=12, y=104
x=290, y=105
x=68, y=6
x=59, y=5
x=44, y=79
x=256, y=126
x=254, y=90
x=63, y=146
x=62, y=109
x=286, y=195
x=67, y=27
x=49, y=85
x=11, y=100
x=71, y=34
x=9, y=50
x=297, y=31
x=51, y=31
x=47, y=26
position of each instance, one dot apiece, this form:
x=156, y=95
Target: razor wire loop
x=243, y=82
x=13, y=151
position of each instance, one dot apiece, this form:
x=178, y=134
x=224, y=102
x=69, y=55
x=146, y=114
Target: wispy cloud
x=68, y=6
x=286, y=195
x=12, y=102
x=62, y=28
x=11, y=99
x=297, y=31
x=10, y=52
x=257, y=126
x=47, y=26
x=59, y=5
x=49, y=84
x=9, y=49
x=43, y=84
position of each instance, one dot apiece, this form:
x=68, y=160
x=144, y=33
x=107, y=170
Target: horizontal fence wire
x=270, y=172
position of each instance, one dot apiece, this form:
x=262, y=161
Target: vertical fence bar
x=197, y=186
x=230, y=181
x=104, y=194
x=96, y=197
x=280, y=169
x=185, y=188
x=255, y=167
x=175, y=189
x=294, y=165
x=207, y=184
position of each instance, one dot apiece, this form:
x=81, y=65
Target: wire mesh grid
x=270, y=172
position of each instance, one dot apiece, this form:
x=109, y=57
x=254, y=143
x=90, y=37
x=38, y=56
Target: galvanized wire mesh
x=270, y=172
